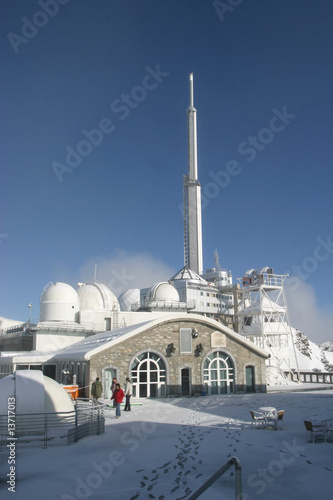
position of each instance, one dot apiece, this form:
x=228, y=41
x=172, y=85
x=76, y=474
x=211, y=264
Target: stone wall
x=158, y=338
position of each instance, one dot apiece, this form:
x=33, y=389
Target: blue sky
x=263, y=91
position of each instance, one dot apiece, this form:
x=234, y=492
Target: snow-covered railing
x=312, y=377
x=14, y=329
x=234, y=461
x=86, y=420
x=163, y=304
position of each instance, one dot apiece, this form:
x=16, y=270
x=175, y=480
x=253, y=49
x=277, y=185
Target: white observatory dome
x=97, y=297
x=59, y=302
x=34, y=393
x=163, y=291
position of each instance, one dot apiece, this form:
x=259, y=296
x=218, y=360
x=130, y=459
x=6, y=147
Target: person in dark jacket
x=118, y=397
x=113, y=388
x=96, y=389
x=128, y=394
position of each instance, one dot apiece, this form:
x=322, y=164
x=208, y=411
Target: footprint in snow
x=163, y=466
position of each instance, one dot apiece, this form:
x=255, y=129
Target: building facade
x=170, y=356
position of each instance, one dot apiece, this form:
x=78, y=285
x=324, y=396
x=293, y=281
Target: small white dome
x=97, y=297
x=163, y=291
x=59, y=302
x=34, y=393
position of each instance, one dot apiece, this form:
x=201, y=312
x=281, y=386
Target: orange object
x=73, y=390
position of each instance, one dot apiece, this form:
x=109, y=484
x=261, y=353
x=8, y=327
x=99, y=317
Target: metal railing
x=311, y=377
x=86, y=420
x=234, y=461
x=163, y=304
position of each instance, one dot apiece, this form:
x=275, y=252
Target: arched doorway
x=218, y=373
x=148, y=375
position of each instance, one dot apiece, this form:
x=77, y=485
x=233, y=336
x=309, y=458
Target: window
x=185, y=340
x=148, y=375
x=218, y=373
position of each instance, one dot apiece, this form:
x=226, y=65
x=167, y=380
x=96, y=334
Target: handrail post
x=45, y=430
x=76, y=425
x=1, y=417
x=238, y=479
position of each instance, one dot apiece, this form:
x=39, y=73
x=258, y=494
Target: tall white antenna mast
x=191, y=90
x=192, y=195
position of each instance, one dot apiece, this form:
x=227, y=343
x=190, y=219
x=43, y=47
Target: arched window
x=218, y=373
x=148, y=376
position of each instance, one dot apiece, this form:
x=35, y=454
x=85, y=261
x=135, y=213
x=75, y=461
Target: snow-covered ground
x=167, y=448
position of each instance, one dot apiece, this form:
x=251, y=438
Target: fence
x=313, y=377
x=62, y=427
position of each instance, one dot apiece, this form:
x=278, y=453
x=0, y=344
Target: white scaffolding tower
x=263, y=319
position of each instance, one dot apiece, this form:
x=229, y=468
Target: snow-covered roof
x=187, y=274
x=91, y=346
x=25, y=357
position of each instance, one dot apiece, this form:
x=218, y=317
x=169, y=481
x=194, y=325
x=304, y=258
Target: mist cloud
x=123, y=270
x=304, y=312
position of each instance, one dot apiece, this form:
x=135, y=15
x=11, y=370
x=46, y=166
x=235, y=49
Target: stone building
x=170, y=356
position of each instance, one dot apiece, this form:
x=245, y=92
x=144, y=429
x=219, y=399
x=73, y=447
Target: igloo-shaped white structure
x=96, y=296
x=163, y=291
x=59, y=302
x=33, y=393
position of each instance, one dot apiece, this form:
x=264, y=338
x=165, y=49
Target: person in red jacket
x=118, y=396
